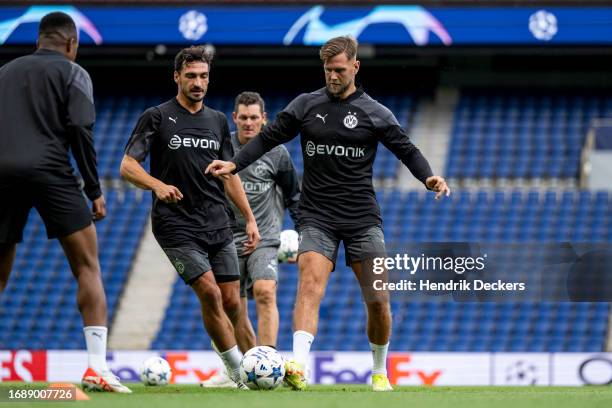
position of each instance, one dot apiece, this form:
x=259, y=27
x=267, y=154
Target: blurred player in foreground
x=266, y=182
x=47, y=109
x=190, y=218
x=340, y=127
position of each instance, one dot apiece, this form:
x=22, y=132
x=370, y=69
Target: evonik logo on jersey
x=177, y=141
x=256, y=187
x=334, y=150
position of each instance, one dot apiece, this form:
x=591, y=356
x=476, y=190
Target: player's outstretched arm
x=438, y=185
x=284, y=128
x=132, y=171
x=395, y=138
x=235, y=192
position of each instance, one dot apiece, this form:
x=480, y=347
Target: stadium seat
x=520, y=135
x=42, y=291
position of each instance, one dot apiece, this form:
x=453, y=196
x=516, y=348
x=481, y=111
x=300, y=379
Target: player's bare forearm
x=133, y=172
x=235, y=192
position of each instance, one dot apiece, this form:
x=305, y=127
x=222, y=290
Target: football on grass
x=155, y=371
x=262, y=368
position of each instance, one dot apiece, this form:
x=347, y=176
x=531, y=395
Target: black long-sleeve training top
x=47, y=108
x=339, y=138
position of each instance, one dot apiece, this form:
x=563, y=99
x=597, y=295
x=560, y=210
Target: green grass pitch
x=349, y=396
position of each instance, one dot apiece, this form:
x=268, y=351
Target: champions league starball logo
x=543, y=25
x=193, y=25
x=521, y=373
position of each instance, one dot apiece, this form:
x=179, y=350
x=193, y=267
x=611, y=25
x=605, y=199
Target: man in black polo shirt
x=191, y=218
x=48, y=109
x=340, y=127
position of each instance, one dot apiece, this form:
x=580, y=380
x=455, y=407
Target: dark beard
x=192, y=99
x=339, y=92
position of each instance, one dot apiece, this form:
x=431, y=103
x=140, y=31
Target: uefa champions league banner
x=410, y=25
x=415, y=369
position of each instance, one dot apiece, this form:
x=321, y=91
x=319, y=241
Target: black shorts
x=60, y=203
x=210, y=251
x=359, y=244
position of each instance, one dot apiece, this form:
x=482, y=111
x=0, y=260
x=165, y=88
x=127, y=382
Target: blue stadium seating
x=515, y=216
x=116, y=117
x=38, y=308
x=521, y=135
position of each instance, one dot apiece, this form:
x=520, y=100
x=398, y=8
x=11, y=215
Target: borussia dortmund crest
x=350, y=120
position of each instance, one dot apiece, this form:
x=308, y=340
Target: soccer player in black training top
x=47, y=109
x=340, y=127
x=191, y=218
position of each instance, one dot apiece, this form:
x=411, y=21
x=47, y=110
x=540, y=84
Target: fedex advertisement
x=415, y=369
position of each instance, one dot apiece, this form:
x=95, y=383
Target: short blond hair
x=337, y=45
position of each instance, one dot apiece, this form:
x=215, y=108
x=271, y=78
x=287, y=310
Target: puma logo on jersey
x=322, y=117
x=173, y=119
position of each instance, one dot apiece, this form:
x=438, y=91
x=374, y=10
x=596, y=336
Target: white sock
x=232, y=358
x=379, y=354
x=95, y=339
x=301, y=346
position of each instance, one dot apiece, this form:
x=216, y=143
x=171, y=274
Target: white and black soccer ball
x=543, y=25
x=155, y=371
x=262, y=368
x=289, y=243
x=193, y=25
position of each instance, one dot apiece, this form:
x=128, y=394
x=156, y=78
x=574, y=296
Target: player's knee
x=87, y=265
x=265, y=295
x=379, y=308
x=307, y=263
x=208, y=291
x=88, y=275
x=231, y=305
x=312, y=288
